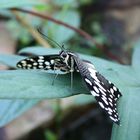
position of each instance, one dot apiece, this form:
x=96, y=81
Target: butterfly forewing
x=105, y=92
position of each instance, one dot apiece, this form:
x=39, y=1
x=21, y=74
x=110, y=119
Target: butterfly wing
x=105, y=92
x=45, y=62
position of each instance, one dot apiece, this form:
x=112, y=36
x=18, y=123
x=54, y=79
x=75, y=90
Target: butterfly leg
x=71, y=80
x=56, y=75
x=71, y=71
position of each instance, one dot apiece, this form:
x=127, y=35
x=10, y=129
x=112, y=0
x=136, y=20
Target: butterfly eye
x=64, y=55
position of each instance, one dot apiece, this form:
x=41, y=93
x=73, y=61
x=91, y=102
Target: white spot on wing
x=99, y=85
x=104, y=97
x=101, y=104
x=52, y=61
x=110, y=99
x=118, y=95
x=105, y=101
x=47, y=63
x=96, y=89
x=102, y=92
x=91, y=65
x=29, y=65
x=40, y=60
x=113, y=118
x=111, y=96
x=35, y=64
x=111, y=90
x=40, y=63
x=91, y=70
x=23, y=62
x=19, y=65
x=114, y=88
x=94, y=93
x=41, y=57
x=93, y=73
x=41, y=67
x=47, y=67
x=111, y=104
x=106, y=108
x=109, y=112
x=31, y=59
x=109, y=109
x=88, y=81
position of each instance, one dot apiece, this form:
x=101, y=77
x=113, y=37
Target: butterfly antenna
x=51, y=40
x=62, y=47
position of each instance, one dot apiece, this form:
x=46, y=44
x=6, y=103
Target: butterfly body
x=105, y=92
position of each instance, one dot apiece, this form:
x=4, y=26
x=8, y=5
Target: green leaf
x=18, y=3
x=129, y=105
x=29, y=84
x=39, y=50
x=129, y=110
x=22, y=84
x=11, y=109
x=136, y=56
x=25, y=83
x=10, y=60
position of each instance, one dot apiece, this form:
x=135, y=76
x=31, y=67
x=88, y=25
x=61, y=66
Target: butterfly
x=104, y=91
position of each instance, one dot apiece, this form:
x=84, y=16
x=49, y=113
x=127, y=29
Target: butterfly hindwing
x=105, y=92
x=45, y=62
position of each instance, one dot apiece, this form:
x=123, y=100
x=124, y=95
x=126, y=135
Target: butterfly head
x=64, y=55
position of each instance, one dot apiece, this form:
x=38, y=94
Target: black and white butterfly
x=105, y=92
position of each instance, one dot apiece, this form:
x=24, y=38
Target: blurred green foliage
x=50, y=135
x=66, y=11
